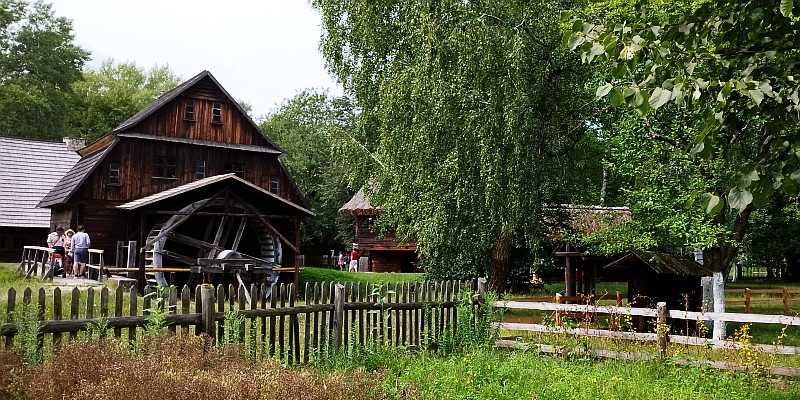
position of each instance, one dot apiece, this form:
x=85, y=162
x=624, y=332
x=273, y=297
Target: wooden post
x=747, y=302
x=785, y=301
x=558, y=313
x=619, y=299
x=569, y=274
x=207, y=310
x=131, y=263
x=662, y=329
x=338, y=315
x=482, y=288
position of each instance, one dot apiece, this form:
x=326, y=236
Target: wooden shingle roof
x=359, y=205
x=659, y=263
x=29, y=170
x=71, y=181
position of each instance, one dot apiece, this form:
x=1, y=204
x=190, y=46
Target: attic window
x=188, y=112
x=274, y=184
x=216, y=113
x=114, y=178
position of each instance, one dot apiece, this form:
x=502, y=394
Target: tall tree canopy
x=39, y=61
x=466, y=106
x=113, y=92
x=305, y=126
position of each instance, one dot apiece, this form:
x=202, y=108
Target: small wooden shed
x=653, y=277
x=384, y=252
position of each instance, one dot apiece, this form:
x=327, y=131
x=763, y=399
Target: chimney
x=74, y=143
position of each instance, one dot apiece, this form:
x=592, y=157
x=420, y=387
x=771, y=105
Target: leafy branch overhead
x=733, y=66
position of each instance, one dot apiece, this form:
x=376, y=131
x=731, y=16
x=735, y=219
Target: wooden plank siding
x=135, y=158
x=369, y=239
x=169, y=120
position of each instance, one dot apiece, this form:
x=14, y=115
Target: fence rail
x=330, y=316
x=661, y=312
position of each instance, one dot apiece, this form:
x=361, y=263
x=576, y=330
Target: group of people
x=353, y=261
x=72, y=248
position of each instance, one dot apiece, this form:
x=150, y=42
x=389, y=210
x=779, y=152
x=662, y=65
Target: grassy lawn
x=491, y=374
x=313, y=274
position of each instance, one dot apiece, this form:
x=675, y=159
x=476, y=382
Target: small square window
x=114, y=178
x=274, y=185
x=216, y=113
x=188, y=112
x=164, y=164
x=235, y=167
x=199, y=169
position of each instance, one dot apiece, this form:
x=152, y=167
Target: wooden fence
x=330, y=316
x=661, y=313
x=762, y=297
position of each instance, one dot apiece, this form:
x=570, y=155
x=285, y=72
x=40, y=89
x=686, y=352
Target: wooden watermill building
x=188, y=177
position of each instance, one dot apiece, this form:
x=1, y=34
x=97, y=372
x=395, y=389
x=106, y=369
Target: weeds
x=27, y=339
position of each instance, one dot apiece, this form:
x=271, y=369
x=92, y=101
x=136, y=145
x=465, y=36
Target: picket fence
x=331, y=316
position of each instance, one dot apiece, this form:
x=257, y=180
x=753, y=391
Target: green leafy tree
x=716, y=83
x=39, y=61
x=115, y=91
x=465, y=109
x=304, y=126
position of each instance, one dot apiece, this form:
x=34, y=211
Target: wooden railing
x=330, y=316
x=661, y=313
x=36, y=261
x=763, y=296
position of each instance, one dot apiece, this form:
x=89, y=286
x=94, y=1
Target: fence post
x=338, y=315
x=131, y=262
x=785, y=301
x=662, y=329
x=747, y=294
x=482, y=288
x=558, y=313
x=619, y=299
x=208, y=323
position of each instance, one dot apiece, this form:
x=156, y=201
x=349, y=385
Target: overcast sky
x=262, y=51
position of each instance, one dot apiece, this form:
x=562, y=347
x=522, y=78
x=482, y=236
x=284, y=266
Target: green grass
x=313, y=274
x=496, y=374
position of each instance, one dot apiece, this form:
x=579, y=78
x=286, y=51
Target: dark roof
x=71, y=182
x=207, y=143
x=215, y=181
x=660, y=263
x=583, y=219
x=177, y=91
x=359, y=205
x=29, y=169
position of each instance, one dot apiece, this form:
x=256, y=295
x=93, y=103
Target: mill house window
x=114, y=178
x=274, y=184
x=188, y=111
x=164, y=164
x=199, y=169
x=216, y=113
x=235, y=167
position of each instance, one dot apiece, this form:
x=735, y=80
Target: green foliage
x=156, y=315
x=731, y=66
x=475, y=324
x=466, y=108
x=304, y=126
x=26, y=341
x=114, y=92
x=233, y=324
x=39, y=62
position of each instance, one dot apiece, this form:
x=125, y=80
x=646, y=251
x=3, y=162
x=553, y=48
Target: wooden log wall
x=413, y=314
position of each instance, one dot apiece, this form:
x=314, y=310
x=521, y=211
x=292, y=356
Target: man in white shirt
x=80, y=247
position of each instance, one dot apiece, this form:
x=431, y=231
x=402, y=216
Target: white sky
x=262, y=51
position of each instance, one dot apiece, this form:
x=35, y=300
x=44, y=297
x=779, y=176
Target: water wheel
x=217, y=227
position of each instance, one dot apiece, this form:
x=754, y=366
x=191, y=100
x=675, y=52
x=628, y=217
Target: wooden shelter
x=653, y=277
x=384, y=252
x=580, y=268
x=188, y=177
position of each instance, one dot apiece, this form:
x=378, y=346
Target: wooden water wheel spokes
x=206, y=228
